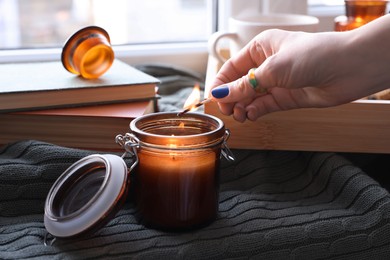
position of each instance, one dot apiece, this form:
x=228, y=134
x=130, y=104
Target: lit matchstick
x=204, y=101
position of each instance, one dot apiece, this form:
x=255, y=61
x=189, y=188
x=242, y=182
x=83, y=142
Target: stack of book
x=43, y=101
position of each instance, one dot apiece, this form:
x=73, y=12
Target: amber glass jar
x=358, y=13
x=177, y=177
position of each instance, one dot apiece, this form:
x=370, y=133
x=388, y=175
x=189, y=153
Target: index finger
x=239, y=65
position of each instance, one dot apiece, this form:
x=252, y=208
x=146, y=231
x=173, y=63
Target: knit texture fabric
x=273, y=205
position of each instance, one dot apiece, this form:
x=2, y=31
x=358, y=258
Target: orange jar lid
x=88, y=52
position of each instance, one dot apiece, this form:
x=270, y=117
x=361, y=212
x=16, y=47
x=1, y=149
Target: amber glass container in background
x=88, y=52
x=358, y=13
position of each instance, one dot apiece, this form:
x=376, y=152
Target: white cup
x=242, y=29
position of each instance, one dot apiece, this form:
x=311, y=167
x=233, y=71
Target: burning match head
x=204, y=101
x=192, y=102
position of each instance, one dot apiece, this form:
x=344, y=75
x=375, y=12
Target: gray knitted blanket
x=273, y=205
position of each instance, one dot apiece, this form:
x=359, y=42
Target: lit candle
x=177, y=178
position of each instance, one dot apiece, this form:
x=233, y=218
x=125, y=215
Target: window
x=326, y=7
x=169, y=31
x=43, y=23
x=325, y=2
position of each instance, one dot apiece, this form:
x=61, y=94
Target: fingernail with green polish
x=220, y=92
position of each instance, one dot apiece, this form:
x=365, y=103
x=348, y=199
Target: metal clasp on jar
x=225, y=151
x=130, y=144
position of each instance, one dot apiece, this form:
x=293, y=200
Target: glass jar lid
x=86, y=196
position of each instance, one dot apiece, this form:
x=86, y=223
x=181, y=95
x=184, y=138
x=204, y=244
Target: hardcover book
x=32, y=86
x=87, y=127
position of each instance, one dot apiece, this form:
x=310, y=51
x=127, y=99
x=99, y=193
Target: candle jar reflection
x=177, y=177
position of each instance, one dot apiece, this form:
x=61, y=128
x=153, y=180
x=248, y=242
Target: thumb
x=243, y=88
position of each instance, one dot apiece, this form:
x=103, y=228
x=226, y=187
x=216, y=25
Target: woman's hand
x=298, y=70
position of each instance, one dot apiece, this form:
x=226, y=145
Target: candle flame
x=172, y=154
x=193, y=99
